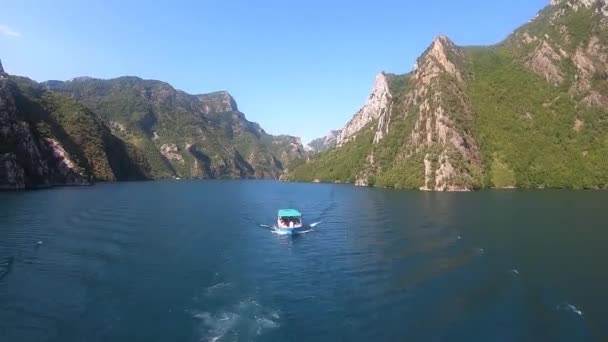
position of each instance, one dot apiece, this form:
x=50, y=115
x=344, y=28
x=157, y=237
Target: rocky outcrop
x=218, y=102
x=563, y=52
x=287, y=148
x=515, y=114
x=26, y=160
x=87, y=129
x=545, y=62
x=378, y=105
x=162, y=122
x=437, y=99
x=171, y=152
x=601, y=6
x=440, y=139
x=325, y=143
x=437, y=59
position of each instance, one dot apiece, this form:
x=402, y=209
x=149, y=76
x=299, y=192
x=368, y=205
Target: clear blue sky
x=296, y=67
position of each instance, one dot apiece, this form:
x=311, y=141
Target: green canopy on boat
x=289, y=213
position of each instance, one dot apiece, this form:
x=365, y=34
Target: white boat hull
x=288, y=230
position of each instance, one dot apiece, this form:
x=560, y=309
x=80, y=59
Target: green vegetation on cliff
x=183, y=135
x=90, y=144
x=530, y=112
x=531, y=132
x=341, y=165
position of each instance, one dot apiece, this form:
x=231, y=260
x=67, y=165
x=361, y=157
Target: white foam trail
x=315, y=224
x=217, y=326
x=571, y=308
x=216, y=287
x=297, y=232
x=246, y=318
x=277, y=231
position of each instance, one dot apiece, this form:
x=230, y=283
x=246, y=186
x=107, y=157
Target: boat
x=288, y=220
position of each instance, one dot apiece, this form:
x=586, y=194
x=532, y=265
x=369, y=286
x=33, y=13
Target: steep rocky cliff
x=528, y=112
x=26, y=160
x=442, y=120
x=47, y=140
x=183, y=135
x=85, y=130
x=567, y=46
x=377, y=105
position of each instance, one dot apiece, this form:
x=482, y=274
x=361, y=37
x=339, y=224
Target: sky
x=295, y=67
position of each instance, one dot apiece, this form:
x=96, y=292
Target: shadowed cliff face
x=128, y=129
x=509, y=115
x=168, y=124
x=27, y=159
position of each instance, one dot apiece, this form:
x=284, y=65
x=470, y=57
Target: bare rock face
x=12, y=175
x=287, y=148
x=26, y=160
x=600, y=5
x=544, y=61
x=377, y=107
x=218, y=102
x=378, y=104
x=445, y=144
x=552, y=52
x=325, y=143
x=446, y=149
x=435, y=61
x=171, y=152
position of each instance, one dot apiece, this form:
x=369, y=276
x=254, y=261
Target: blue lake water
x=193, y=261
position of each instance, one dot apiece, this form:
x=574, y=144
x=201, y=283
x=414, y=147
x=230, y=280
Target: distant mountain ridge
x=325, y=143
x=529, y=112
x=86, y=129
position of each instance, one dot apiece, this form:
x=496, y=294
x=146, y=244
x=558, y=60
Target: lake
x=196, y=261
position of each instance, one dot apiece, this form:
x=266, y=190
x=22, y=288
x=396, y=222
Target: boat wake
x=299, y=231
x=569, y=308
x=236, y=320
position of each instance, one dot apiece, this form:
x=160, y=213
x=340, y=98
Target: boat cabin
x=289, y=218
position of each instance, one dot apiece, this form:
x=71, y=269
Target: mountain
x=325, y=143
x=86, y=130
x=529, y=112
x=49, y=140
